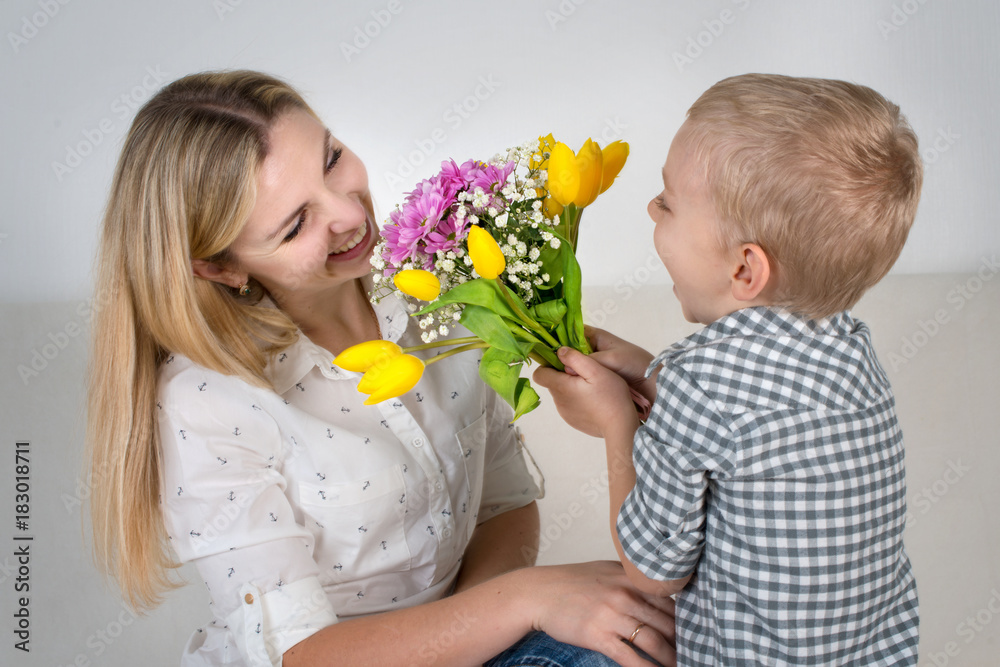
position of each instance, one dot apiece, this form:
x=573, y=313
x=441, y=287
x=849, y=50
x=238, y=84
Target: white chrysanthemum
x=545, y=277
x=447, y=265
x=443, y=330
x=429, y=336
x=501, y=220
x=554, y=243
x=534, y=253
x=493, y=211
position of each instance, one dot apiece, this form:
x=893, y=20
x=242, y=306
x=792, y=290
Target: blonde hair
x=183, y=189
x=824, y=175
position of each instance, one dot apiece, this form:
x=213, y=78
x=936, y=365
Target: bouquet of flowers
x=490, y=245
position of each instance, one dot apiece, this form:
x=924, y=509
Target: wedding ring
x=635, y=633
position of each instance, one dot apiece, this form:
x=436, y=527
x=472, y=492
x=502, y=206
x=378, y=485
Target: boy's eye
x=331, y=162
x=660, y=203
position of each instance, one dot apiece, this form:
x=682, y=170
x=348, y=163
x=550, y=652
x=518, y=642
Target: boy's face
x=686, y=239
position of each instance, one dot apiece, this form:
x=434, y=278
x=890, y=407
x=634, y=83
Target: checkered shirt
x=771, y=466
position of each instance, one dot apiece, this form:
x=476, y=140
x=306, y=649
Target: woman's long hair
x=183, y=189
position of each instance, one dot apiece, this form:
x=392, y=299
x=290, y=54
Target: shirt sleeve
x=685, y=441
x=507, y=483
x=225, y=511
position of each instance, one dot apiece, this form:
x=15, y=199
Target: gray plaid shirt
x=771, y=466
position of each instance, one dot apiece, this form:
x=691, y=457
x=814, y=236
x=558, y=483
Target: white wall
x=577, y=68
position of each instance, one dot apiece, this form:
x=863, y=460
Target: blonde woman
x=232, y=268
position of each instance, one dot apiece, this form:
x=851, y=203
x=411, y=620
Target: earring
x=243, y=289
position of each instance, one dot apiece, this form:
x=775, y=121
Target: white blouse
x=304, y=506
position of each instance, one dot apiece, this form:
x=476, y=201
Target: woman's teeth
x=355, y=240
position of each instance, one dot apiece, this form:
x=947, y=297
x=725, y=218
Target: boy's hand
x=627, y=360
x=590, y=397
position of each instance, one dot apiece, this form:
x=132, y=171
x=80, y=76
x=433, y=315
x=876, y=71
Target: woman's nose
x=344, y=212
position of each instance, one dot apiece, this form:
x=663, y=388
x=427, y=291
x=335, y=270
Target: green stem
x=457, y=350
x=525, y=318
x=442, y=343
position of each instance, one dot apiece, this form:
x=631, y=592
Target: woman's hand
x=594, y=605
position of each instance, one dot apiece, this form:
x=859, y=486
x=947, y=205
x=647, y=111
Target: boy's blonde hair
x=824, y=175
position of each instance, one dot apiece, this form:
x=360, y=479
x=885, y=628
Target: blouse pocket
x=361, y=525
x=472, y=441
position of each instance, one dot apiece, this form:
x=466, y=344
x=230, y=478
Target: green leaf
x=552, y=264
x=494, y=330
x=501, y=371
x=549, y=313
x=526, y=398
x=573, y=293
x=479, y=292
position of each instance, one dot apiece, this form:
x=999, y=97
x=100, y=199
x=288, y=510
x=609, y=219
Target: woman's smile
x=355, y=246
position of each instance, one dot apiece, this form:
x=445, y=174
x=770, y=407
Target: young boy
x=768, y=485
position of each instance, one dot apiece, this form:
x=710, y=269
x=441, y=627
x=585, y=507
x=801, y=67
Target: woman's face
x=310, y=230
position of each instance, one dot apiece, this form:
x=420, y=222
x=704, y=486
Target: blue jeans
x=537, y=649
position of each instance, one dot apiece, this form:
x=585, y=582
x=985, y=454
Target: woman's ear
x=752, y=274
x=215, y=273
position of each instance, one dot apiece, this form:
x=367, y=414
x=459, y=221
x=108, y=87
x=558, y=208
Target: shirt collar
x=762, y=321
x=293, y=363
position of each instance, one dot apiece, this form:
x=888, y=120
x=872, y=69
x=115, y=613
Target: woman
x=233, y=263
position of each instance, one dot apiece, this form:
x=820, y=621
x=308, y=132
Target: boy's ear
x=752, y=273
x=217, y=274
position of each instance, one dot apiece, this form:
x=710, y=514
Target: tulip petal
x=393, y=379
x=564, y=175
x=418, y=283
x=361, y=357
x=615, y=155
x=589, y=164
x=487, y=258
x=551, y=207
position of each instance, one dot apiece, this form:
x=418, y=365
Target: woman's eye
x=297, y=228
x=333, y=159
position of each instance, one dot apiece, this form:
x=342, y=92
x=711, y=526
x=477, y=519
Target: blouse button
x=248, y=598
x=418, y=442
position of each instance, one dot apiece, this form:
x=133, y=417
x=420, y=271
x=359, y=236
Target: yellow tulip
x=590, y=164
x=541, y=159
x=551, y=207
x=614, y=155
x=487, y=258
x=564, y=175
x=363, y=356
x=391, y=379
x=418, y=283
